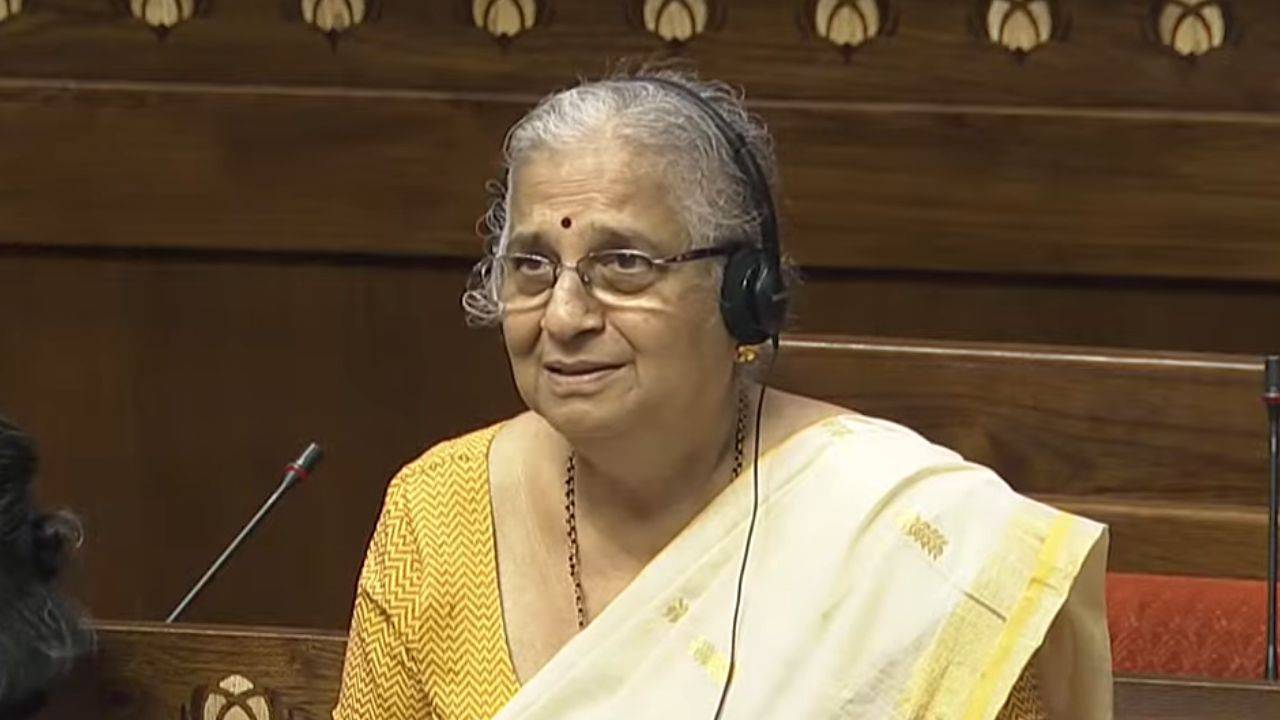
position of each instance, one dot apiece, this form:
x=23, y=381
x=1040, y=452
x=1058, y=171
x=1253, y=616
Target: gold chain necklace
x=571, y=508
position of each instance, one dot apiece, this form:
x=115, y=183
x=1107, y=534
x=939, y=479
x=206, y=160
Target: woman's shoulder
x=866, y=456
x=434, y=524
x=461, y=460
x=460, y=448
x=840, y=430
x=958, y=515
x=915, y=482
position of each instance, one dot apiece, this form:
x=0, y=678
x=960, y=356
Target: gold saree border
x=980, y=651
x=1030, y=620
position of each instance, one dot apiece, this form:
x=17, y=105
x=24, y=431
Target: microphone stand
x=294, y=471
x=1271, y=397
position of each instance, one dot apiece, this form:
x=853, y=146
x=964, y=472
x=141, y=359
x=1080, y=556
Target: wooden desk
x=1177, y=699
x=150, y=671
x=153, y=671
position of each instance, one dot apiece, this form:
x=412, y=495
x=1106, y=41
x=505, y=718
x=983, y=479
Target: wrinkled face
x=595, y=365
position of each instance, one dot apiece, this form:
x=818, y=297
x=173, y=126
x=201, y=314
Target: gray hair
x=707, y=185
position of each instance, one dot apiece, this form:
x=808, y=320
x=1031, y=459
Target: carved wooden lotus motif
x=849, y=24
x=9, y=8
x=1191, y=28
x=163, y=15
x=334, y=17
x=234, y=698
x=505, y=19
x=679, y=21
x=1020, y=26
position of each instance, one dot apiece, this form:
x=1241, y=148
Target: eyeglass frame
x=703, y=253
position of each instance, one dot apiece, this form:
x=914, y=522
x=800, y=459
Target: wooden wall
x=219, y=244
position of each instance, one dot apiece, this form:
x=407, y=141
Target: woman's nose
x=571, y=309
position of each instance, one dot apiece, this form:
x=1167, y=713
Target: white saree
x=888, y=578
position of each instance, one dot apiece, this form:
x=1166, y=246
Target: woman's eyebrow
x=526, y=241
x=608, y=238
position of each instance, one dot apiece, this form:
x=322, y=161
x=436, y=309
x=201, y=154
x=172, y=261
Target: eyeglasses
x=527, y=278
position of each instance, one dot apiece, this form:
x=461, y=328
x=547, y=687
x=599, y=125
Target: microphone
x=299, y=469
x=1271, y=397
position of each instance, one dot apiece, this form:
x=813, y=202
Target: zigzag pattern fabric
x=1023, y=702
x=427, y=640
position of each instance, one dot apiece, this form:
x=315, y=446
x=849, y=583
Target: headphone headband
x=753, y=294
x=745, y=159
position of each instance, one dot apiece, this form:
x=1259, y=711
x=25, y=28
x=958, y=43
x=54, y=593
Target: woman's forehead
x=608, y=174
x=602, y=192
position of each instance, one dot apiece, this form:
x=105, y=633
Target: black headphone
x=753, y=295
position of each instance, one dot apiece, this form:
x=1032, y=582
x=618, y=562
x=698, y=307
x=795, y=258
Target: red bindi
x=566, y=222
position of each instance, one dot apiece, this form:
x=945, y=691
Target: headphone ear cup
x=739, y=296
x=770, y=298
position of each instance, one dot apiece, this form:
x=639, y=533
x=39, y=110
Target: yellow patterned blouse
x=427, y=639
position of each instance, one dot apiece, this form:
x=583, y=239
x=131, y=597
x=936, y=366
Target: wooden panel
x=933, y=57
x=1166, y=699
x=405, y=174
x=167, y=392
x=1217, y=317
x=1178, y=538
x=144, y=671
x=247, y=171
x=1055, y=195
x=1107, y=425
x=149, y=672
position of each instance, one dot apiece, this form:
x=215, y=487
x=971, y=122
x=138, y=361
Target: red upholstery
x=1190, y=626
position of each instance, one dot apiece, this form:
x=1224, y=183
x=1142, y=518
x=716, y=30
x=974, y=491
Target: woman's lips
x=579, y=376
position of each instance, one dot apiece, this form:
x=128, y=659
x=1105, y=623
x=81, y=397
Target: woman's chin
x=582, y=418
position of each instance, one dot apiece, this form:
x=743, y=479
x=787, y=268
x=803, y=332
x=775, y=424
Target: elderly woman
x=659, y=536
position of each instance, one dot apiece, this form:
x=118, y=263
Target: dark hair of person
x=41, y=633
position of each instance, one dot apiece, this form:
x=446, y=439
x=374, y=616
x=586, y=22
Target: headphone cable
x=751, y=529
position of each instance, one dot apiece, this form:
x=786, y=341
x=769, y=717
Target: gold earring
x=746, y=355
